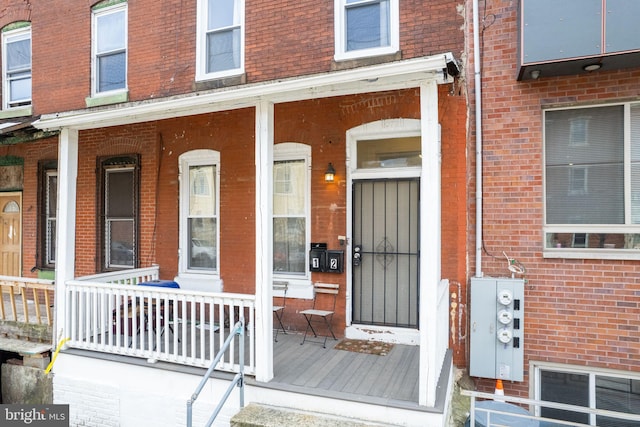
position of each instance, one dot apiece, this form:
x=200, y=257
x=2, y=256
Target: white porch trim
x=66, y=242
x=389, y=76
x=264, y=248
x=430, y=224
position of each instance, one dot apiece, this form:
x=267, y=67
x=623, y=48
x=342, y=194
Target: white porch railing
x=155, y=323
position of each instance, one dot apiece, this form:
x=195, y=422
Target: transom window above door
x=389, y=153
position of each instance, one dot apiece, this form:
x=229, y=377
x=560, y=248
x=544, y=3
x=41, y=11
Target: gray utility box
x=497, y=328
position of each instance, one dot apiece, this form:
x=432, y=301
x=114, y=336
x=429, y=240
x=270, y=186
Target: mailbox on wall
x=335, y=261
x=323, y=260
x=317, y=256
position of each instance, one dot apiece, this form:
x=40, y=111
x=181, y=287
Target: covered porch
x=110, y=317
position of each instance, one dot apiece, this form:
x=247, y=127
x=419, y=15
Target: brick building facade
x=151, y=116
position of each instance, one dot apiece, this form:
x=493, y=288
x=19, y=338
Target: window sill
x=364, y=58
x=297, y=288
x=16, y=112
x=98, y=100
x=606, y=254
x=199, y=282
x=216, y=83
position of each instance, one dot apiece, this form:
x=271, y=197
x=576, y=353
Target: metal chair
x=280, y=294
x=324, y=305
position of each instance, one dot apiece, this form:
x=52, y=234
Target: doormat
x=364, y=346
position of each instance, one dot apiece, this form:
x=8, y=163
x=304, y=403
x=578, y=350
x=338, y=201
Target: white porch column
x=264, y=246
x=66, y=223
x=430, y=236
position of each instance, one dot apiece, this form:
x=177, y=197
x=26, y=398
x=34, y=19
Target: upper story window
x=291, y=208
x=199, y=211
x=48, y=186
x=366, y=28
x=592, y=181
x=16, y=65
x=119, y=212
x=220, y=42
x=109, y=45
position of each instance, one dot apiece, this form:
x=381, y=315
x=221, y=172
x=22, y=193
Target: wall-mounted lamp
x=592, y=67
x=535, y=74
x=330, y=173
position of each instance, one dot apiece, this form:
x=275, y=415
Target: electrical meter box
x=497, y=328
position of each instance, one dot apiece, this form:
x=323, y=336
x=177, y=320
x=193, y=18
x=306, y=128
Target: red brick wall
x=282, y=40
x=453, y=123
x=582, y=312
x=320, y=123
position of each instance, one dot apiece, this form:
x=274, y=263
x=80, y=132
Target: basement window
x=607, y=389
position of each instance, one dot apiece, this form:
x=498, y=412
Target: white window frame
x=340, y=22
x=536, y=385
x=201, y=157
x=628, y=228
x=299, y=284
x=201, y=43
x=96, y=13
x=108, y=221
x=9, y=36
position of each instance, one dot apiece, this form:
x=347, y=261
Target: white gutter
x=478, y=90
x=389, y=76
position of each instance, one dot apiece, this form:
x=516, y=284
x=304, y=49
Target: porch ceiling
x=389, y=76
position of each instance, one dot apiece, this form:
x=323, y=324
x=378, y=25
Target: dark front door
x=386, y=234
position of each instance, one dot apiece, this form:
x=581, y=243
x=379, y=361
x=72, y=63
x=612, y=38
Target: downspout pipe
x=478, y=113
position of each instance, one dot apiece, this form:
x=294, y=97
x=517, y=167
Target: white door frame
x=393, y=128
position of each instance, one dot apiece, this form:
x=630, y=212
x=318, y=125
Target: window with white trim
x=49, y=205
x=607, y=390
x=366, y=28
x=16, y=65
x=109, y=47
x=199, y=211
x=119, y=211
x=592, y=180
x=291, y=209
x=220, y=40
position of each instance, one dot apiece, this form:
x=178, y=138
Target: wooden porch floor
x=390, y=380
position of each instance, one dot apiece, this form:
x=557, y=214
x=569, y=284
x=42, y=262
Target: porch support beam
x=264, y=247
x=430, y=240
x=66, y=224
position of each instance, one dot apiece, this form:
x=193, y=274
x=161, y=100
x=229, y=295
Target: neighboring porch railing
x=26, y=300
x=499, y=417
x=109, y=313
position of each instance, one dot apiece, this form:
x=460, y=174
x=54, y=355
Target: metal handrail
x=237, y=379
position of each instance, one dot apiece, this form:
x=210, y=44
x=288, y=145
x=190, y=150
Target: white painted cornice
x=388, y=76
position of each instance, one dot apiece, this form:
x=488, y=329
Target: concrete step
x=255, y=415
